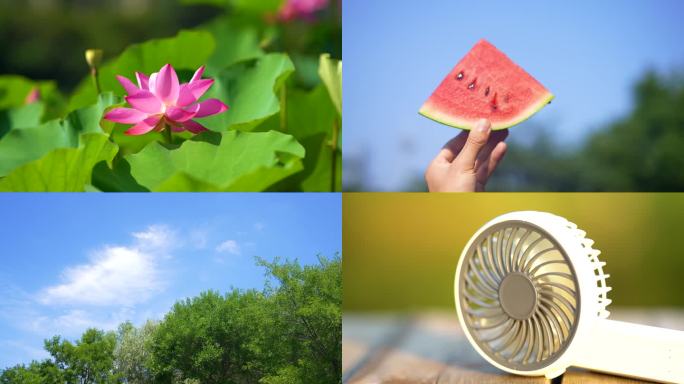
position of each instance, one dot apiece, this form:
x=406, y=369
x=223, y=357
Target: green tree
x=88, y=361
x=290, y=332
x=307, y=312
x=44, y=372
x=132, y=355
x=207, y=338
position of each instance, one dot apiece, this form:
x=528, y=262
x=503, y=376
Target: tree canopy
x=288, y=332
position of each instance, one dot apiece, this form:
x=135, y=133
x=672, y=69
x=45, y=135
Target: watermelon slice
x=486, y=84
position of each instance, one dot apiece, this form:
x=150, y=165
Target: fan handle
x=634, y=350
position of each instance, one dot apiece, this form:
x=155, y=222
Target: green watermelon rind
x=452, y=121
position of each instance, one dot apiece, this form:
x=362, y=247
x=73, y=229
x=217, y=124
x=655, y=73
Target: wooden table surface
x=431, y=348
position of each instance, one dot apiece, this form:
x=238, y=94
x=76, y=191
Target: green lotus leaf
x=20, y=146
x=250, y=89
x=62, y=170
x=235, y=41
x=231, y=161
x=313, y=120
x=25, y=116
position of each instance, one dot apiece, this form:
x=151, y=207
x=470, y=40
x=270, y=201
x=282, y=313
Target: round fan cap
x=518, y=287
x=519, y=295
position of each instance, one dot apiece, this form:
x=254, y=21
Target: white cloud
x=259, y=226
x=156, y=237
x=229, y=246
x=115, y=275
x=101, y=292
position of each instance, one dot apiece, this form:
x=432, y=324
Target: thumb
x=477, y=139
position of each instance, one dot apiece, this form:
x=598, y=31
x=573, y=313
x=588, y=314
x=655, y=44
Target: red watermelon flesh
x=486, y=84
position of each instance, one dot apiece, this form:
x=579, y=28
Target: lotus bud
x=93, y=57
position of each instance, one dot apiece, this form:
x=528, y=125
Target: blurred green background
x=639, y=152
x=401, y=249
x=46, y=39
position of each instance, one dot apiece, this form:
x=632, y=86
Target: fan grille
x=519, y=295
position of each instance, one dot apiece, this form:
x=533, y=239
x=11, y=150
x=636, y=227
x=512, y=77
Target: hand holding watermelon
x=488, y=91
x=465, y=163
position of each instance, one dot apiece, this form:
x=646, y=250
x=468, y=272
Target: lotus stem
x=167, y=134
x=94, y=58
x=283, y=109
x=333, y=145
x=96, y=80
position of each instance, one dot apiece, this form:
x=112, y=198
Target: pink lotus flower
x=160, y=101
x=301, y=9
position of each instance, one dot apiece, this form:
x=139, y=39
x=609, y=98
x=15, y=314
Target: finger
x=452, y=147
x=487, y=165
x=477, y=139
x=497, y=154
x=494, y=139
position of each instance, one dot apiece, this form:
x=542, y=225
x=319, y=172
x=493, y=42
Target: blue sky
x=72, y=261
x=588, y=53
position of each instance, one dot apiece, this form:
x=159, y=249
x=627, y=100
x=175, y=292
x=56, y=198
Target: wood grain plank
x=484, y=374
x=431, y=348
x=574, y=376
x=352, y=353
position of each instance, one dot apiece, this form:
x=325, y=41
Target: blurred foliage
x=14, y=91
x=45, y=39
x=401, y=249
x=289, y=332
x=277, y=76
x=640, y=152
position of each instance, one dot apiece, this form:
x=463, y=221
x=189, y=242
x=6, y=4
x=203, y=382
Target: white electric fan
x=531, y=297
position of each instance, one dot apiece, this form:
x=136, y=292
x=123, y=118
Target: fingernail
x=483, y=125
